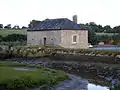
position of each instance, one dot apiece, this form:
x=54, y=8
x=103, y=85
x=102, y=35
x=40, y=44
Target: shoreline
x=99, y=72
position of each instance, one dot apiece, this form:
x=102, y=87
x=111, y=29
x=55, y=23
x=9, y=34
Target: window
x=74, y=39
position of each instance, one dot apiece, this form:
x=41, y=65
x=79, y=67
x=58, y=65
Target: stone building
x=58, y=32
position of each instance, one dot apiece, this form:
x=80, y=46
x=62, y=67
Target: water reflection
x=106, y=48
x=96, y=87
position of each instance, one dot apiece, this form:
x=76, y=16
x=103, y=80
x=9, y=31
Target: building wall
x=67, y=36
x=36, y=37
x=61, y=38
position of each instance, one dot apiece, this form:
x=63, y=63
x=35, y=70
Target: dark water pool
x=106, y=48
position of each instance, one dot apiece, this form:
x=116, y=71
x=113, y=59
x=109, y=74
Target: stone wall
x=82, y=39
x=62, y=54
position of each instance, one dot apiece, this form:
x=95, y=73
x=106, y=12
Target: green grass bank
x=11, y=79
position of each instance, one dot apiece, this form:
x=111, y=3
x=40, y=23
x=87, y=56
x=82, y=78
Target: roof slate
x=57, y=24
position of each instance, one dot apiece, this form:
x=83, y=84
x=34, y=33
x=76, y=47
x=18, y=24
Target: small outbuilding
x=58, y=32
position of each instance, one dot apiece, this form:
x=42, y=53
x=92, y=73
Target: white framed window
x=74, y=39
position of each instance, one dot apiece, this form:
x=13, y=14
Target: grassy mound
x=11, y=79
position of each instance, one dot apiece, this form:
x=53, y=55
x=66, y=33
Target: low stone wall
x=61, y=54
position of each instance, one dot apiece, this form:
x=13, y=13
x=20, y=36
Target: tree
x=1, y=26
x=107, y=29
x=91, y=23
x=16, y=27
x=8, y=26
x=23, y=27
x=95, y=27
x=116, y=29
x=92, y=38
x=101, y=29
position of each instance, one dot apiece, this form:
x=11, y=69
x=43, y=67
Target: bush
x=115, y=42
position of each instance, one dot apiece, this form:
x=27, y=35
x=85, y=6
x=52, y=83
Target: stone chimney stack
x=75, y=18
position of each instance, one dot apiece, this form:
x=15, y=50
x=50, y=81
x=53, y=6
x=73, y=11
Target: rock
x=115, y=82
x=108, y=78
x=101, y=76
x=117, y=56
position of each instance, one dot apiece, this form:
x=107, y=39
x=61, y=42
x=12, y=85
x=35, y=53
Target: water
x=96, y=87
x=106, y=48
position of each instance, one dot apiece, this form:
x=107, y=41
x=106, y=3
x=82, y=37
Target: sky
x=21, y=12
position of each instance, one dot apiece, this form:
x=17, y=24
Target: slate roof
x=57, y=24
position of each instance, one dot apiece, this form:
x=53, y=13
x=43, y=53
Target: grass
x=5, y=32
x=11, y=79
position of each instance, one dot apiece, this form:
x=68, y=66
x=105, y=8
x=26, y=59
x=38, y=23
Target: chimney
x=75, y=19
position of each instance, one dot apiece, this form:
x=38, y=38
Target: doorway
x=44, y=40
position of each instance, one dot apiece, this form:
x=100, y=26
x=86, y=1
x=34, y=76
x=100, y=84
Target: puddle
x=24, y=68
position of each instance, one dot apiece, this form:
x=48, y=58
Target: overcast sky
x=21, y=12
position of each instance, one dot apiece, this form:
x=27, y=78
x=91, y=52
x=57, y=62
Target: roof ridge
x=57, y=19
x=57, y=23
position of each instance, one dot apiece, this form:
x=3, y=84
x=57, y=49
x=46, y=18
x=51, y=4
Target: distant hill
x=5, y=32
